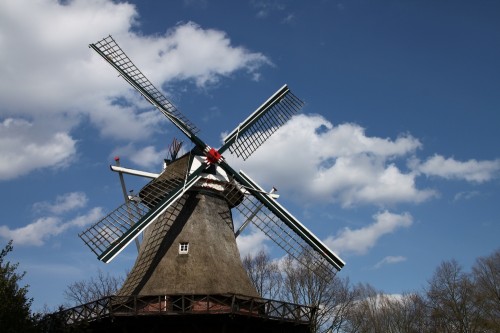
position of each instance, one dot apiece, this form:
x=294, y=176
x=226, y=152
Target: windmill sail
x=110, y=235
x=109, y=50
x=284, y=229
x=243, y=141
x=262, y=123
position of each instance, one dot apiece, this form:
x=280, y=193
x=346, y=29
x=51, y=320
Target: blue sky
x=393, y=162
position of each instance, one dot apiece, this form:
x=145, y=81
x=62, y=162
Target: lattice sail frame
x=262, y=123
x=102, y=235
x=280, y=233
x=109, y=50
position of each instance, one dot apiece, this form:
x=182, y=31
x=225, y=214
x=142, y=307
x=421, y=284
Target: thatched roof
x=212, y=265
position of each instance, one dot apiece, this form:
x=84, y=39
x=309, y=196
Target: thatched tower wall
x=212, y=265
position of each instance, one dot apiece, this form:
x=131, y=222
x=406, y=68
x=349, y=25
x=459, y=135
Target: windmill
x=185, y=213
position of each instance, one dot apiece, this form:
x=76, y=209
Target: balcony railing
x=172, y=305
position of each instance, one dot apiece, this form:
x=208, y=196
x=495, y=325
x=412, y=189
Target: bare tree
x=450, y=297
x=264, y=274
x=374, y=311
x=341, y=303
x=95, y=288
x=406, y=313
x=332, y=297
x=486, y=277
x=454, y=301
x=294, y=283
x=364, y=315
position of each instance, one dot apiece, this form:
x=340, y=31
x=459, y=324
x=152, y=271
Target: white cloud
x=51, y=82
x=312, y=160
x=63, y=203
x=34, y=233
x=149, y=156
x=322, y=162
x=83, y=220
x=203, y=55
x=465, y=195
x=389, y=260
x=449, y=168
x=124, y=122
x=44, y=228
x=251, y=243
x=25, y=146
x=146, y=157
x=360, y=241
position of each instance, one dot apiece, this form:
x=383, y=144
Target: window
x=183, y=248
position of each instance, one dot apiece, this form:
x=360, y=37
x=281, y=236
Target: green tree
x=15, y=314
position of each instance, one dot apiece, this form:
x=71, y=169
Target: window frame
x=183, y=247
